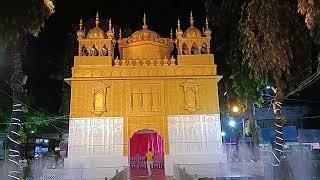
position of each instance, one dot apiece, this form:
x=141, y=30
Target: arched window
x=104, y=51
x=185, y=49
x=99, y=101
x=84, y=51
x=194, y=49
x=94, y=51
x=204, y=49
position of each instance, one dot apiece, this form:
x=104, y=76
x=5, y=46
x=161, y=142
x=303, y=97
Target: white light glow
x=235, y=109
x=232, y=123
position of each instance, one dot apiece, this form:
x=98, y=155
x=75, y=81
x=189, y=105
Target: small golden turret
x=110, y=33
x=179, y=32
x=207, y=31
x=80, y=33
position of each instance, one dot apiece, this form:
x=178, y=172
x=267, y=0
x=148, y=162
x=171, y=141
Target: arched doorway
x=139, y=144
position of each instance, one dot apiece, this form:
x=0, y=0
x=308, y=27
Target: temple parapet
x=133, y=72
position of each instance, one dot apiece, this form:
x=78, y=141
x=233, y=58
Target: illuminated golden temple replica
x=144, y=88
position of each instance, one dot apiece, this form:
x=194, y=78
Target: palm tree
x=19, y=18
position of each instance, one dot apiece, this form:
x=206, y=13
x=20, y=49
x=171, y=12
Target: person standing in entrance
x=149, y=156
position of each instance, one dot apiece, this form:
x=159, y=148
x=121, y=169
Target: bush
x=27, y=172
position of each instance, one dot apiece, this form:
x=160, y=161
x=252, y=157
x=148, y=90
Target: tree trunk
x=14, y=145
x=255, y=138
x=278, y=147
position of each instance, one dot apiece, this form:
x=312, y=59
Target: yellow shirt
x=149, y=156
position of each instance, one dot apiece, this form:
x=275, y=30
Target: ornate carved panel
x=191, y=95
x=96, y=137
x=194, y=134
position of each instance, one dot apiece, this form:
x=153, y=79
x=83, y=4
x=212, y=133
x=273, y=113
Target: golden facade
x=144, y=85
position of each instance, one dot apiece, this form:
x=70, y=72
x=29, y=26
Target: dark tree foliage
x=277, y=48
x=239, y=83
x=19, y=19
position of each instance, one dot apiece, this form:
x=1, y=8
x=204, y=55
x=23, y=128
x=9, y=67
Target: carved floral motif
x=91, y=138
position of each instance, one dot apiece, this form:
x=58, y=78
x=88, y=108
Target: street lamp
x=232, y=123
x=223, y=133
x=235, y=109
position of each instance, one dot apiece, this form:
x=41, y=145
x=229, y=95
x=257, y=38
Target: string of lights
x=25, y=105
x=50, y=119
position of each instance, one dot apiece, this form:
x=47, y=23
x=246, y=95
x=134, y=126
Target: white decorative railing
x=80, y=173
x=214, y=170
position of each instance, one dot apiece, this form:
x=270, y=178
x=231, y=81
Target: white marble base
x=95, y=148
x=194, y=139
x=96, y=145
x=200, y=158
x=94, y=168
x=96, y=162
x=169, y=165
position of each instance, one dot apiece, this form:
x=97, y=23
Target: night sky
x=161, y=16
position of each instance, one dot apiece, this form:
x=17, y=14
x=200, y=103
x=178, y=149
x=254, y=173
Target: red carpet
x=150, y=177
x=136, y=173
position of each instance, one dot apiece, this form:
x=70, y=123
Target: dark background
x=161, y=16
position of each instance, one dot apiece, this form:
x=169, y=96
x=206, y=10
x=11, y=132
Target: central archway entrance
x=139, y=144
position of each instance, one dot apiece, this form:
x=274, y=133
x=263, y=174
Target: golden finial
x=110, y=32
x=207, y=32
x=97, y=19
x=171, y=34
x=144, y=21
x=202, y=30
x=207, y=24
x=110, y=24
x=191, y=19
x=80, y=25
x=80, y=33
x=113, y=30
x=120, y=34
x=179, y=32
